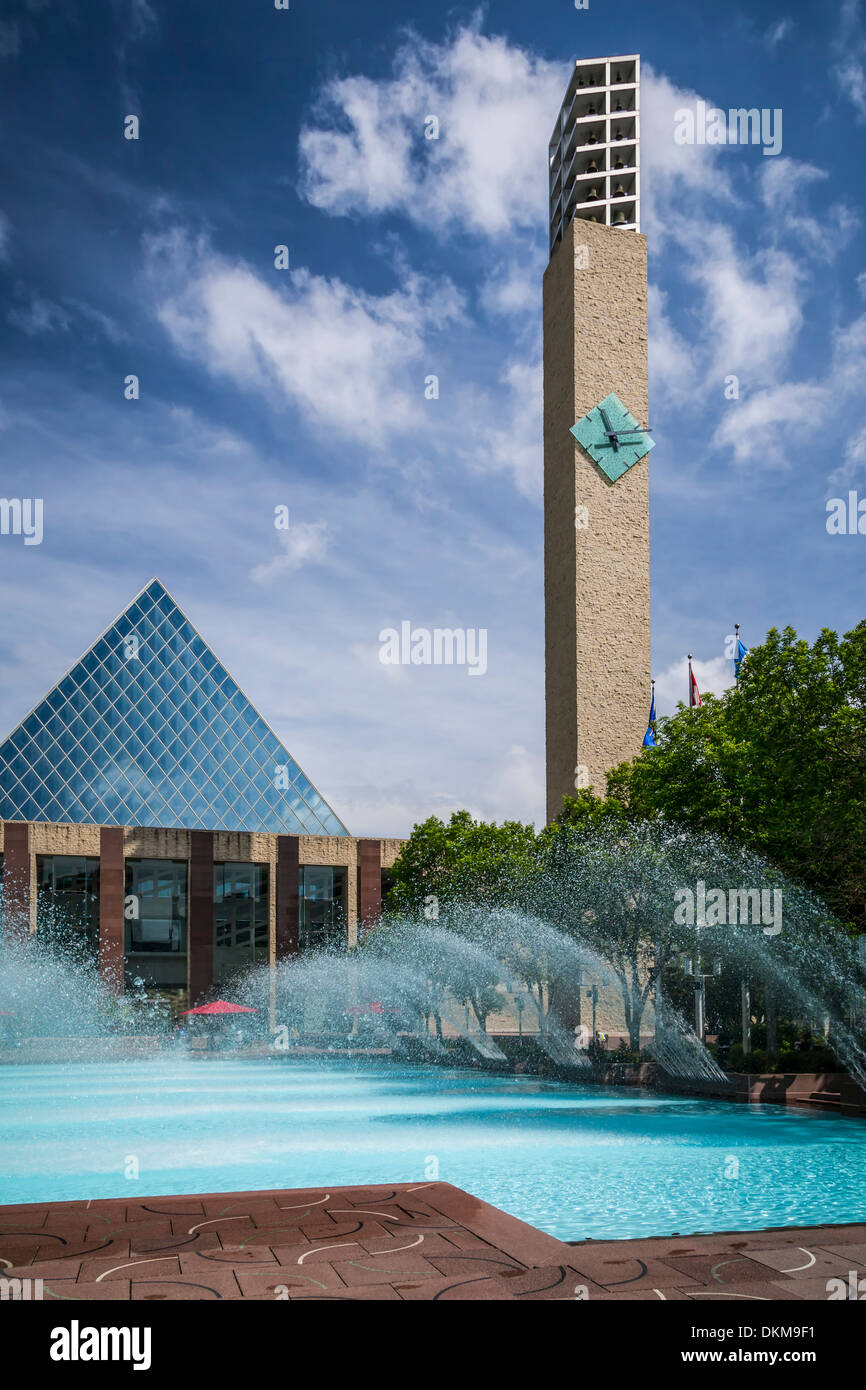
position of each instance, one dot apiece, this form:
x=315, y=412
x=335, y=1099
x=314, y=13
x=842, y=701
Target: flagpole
x=737, y=652
x=691, y=697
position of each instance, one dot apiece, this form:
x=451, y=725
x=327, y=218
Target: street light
x=692, y=970
x=593, y=995
x=517, y=991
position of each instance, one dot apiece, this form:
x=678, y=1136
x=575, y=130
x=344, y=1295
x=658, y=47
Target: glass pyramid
x=148, y=729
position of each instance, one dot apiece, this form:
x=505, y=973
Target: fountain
x=622, y=905
x=395, y=1060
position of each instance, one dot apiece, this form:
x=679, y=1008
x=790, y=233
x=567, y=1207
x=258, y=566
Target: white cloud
x=513, y=788
x=784, y=187
x=749, y=304
x=850, y=70
x=366, y=154
x=673, y=175
x=855, y=452
x=143, y=17
x=495, y=105
x=758, y=426
x=673, y=365
x=40, y=315
x=512, y=290
x=521, y=782
x=304, y=543
x=513, y=444
x=752, y=305
x=778, y=31
x=351, y=362
x=764, y=423
x=784, y=181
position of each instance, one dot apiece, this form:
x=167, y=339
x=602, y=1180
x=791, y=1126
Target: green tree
x=463, y=861
x=778, y=763
x=610, y=886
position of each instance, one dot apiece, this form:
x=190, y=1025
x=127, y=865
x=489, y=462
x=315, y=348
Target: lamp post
x=692, y=970
x=593, y=995
x=657, y=958
x=516, y=989
x=746, y=1016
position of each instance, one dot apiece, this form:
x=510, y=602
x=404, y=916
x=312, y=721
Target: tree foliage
x=778, y=763
x=464, y=860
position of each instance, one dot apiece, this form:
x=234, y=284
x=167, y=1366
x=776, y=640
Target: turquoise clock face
x=612, y=437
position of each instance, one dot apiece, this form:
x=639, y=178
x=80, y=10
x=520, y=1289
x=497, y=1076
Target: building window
x=322, y=908
x=155, y=907
x=67, y=900
x=241, y=916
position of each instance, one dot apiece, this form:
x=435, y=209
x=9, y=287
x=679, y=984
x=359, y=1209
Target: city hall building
x=147, y=805
x=148, y=811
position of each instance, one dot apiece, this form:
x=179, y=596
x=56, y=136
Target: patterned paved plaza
x=425, y=1241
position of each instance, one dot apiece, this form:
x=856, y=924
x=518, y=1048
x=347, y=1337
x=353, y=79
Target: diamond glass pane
x=149, y=729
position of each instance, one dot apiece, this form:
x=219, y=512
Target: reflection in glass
x=155, y=907
x=67, y=901
x=322, y=907
x=241, y=917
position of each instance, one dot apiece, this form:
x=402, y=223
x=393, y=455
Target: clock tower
x=596, y=445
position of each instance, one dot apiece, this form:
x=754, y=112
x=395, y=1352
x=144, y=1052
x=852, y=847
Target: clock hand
x=609, y=431
x=621, y=434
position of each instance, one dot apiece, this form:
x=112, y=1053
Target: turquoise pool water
x=575, y=1160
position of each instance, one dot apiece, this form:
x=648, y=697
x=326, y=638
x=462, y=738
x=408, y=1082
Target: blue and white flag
x=649, y=738
x=738, y=659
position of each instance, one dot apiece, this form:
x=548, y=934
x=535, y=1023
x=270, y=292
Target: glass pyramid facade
x=148, y=729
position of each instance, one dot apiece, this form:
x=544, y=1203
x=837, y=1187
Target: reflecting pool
x=575, y=1160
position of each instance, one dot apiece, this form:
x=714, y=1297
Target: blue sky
x=304, y=388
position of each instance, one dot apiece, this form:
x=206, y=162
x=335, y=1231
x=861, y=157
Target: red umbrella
x=221, y=1007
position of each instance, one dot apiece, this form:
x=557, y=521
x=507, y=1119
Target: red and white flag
x=695, y=701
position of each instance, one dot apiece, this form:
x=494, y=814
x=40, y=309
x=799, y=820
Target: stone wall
x=230, y=847
x=596, y=577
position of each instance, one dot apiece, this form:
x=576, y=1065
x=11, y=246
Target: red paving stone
x=409, y=1242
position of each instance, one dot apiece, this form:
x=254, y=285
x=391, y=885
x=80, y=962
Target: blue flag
x=738, y=659
x=649, y=738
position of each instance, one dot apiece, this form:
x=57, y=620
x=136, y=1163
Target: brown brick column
x=288, y=895
x=200, y=926
x=16, y=878
x=112, y=891
x=370, y=889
